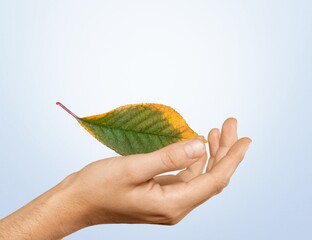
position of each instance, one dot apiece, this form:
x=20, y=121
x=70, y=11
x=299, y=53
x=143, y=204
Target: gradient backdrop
x=208, y=59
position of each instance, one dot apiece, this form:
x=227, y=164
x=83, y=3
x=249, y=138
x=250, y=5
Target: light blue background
x=208, y=59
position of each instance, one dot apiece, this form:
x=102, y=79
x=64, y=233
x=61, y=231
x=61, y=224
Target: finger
x=225, y=168
x=213, y=141
x=142, y=167
x=206, y=185
x=185, y=175
x=228, y=134
x=228, y=138
x=194, y=170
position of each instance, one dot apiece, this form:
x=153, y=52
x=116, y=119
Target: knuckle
x=219, y=187
x=171, y=217
x=170, y=213
x=168, y=158
x=220, y=184
x=173, y=222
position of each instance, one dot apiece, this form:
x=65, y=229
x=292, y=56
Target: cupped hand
x=131, y=190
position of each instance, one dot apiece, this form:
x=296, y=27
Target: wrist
x=65, y=204
x=53, y=215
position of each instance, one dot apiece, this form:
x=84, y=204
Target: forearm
x=52, y=215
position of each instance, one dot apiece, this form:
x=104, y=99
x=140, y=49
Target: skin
x=130, y=190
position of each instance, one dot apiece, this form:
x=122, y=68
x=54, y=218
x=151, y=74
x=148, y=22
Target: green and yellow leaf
x=137, y=128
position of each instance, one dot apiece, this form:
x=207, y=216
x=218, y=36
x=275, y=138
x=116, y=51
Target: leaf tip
x=67, y=110
x=202, y=138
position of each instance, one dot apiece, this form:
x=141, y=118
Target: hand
x=130, y=190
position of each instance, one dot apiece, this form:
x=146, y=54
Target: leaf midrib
x=120, y=129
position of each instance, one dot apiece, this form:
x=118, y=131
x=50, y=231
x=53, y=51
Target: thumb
x=173, y=157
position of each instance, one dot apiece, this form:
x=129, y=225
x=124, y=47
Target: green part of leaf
x=137, y=129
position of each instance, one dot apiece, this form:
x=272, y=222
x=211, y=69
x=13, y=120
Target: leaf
x=137, y=128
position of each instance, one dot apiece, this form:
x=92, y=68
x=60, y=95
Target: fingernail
x=194, y=148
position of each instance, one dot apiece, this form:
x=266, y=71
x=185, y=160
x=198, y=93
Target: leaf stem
x=67, y=110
